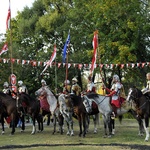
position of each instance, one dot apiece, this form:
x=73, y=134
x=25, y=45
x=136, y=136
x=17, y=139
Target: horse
x=49, y=105
x=142, y=107
x=79, y=112
x=106, y=110
x=8, y=108
x=66, y=109
x=28, y=105
x=92, y=110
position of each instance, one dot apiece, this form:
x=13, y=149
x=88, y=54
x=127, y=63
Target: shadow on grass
x=135, y=146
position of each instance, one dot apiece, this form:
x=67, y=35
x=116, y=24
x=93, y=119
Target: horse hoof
x=21, y=131
x=109, y=136
x=68, y=133
x=2, y=133
x=32, y=133
x=95, y=132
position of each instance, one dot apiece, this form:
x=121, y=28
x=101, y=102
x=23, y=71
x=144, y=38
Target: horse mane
x=139, y=92
x=76, y=99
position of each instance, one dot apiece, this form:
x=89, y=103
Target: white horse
x=66, y=109
x=92, y=111
x=105, y=109
x=45, y=94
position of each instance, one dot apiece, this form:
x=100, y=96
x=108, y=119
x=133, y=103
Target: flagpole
x=56, y=90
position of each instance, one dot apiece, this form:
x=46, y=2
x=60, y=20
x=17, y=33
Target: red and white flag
x=49, y=63
x=4, y=49
x=8, y=18
x=95, y=45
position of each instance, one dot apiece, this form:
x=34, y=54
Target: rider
x=117, y=93
x=22, y=88
x=90, y=86
x=146, y=90
x=75, y=89
x=6, y=89
x=67, y=87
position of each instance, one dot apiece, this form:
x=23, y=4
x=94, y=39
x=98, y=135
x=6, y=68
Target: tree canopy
x=123, y=31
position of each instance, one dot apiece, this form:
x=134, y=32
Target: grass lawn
x=126, y=137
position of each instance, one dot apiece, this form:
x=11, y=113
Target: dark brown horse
x=31, y=107
x=8, y=108
x=79, y=112
x=142, y=107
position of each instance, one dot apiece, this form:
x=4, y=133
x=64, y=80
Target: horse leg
x=22, y=118
x=95, y=123
x=84, y=125
x=54, y=124
x=105, y=126
x=61, y=123
x=2, y=123
x=146, y=127
x=13, y=123
x=87, y=123
x=80, y=125
x=33, y=125
x=109, y=123
x=113, y=125
x=71, y=124
x=40, y=122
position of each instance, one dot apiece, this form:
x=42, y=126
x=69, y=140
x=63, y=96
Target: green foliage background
x=123, y=29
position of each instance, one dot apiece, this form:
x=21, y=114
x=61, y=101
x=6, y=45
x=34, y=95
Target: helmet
x=43, y=81
x=5, y=84
x=66, y=82
x=74, y=79
x=20, y=83
x=116, y=77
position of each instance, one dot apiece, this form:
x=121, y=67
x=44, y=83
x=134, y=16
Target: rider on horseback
x=22, y=88
x=90, y=86
x=67, y=87
x=75, y=89
x=6, y=89
x=117, y=93
x=146, y=90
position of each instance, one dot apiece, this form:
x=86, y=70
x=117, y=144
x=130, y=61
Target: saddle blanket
x=44, y=104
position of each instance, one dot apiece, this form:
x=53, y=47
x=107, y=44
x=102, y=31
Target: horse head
x=87, y=103
x=134, y=94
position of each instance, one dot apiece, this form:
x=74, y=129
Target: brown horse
x=79, y=112
x=30, y=106
x=8, y=108
x=142, y=107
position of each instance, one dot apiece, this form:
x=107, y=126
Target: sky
x=15, y=5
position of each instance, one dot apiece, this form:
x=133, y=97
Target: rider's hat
x=116, y=77
x=20, y=83
x=6, y=84
x=43, y=81
x=75, y=79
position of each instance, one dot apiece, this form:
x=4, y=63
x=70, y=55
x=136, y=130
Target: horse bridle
x=87, y=102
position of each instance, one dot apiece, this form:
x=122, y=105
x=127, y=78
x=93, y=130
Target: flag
x=8, y=18
x=49, y=63
x=4, y=49
x=95, y=45
x=65, y=48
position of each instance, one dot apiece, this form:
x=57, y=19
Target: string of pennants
x=79, y=65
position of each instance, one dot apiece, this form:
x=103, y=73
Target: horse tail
x=120, y=117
